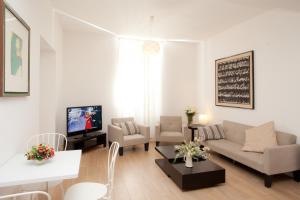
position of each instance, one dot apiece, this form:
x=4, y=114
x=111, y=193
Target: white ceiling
x=174, y=19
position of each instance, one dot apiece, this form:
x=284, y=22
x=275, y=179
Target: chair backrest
x=121, y=119
x=171, y=123
x=111, y=160
x=55, y=140
x=26, y=194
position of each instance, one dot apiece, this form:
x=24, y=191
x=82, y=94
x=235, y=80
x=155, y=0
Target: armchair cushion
x=171, y=134
x=134, y=139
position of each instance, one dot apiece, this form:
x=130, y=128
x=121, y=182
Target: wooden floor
x=137, y=177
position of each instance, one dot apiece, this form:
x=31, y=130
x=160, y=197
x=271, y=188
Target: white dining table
x=20, y=171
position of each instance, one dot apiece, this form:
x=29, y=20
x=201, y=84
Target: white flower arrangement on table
x=190, y=111
x=192, y=150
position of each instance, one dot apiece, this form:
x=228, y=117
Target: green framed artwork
x=15, y=54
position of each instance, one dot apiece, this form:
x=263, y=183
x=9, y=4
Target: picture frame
x=14, y=53
x=234, y=81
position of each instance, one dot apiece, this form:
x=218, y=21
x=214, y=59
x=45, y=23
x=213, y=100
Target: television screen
x=84, y=119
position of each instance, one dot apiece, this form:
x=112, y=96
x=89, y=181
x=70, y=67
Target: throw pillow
x=128, y=127
x=259, y=138
x=214, y=132
x=132, y=128
x=123, y=127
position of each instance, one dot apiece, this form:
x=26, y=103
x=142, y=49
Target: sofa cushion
x=214, y=132
x=224, y=147
x=259, y=138
x=170, y=123
x=235, y=132
x=233, y=150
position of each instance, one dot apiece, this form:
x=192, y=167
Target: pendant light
x=151, y=47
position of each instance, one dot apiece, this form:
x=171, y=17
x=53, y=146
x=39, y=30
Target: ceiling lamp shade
x=151, y=47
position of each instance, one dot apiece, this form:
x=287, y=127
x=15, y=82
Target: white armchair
x=170, y=129
x=115, y=134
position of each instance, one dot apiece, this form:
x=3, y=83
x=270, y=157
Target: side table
x=193, y=128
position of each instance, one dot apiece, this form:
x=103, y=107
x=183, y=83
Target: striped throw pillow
x=132, y=128
x=214, y=132
x=123, y=127
x=128, y=128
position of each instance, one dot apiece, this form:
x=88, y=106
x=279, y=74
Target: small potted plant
x=189, y=151
x=190, y=113
x=40, y=153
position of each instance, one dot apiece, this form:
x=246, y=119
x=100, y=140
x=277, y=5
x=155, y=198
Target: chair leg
x=268, y=181
x=146, y=145
x=157, y=143
x=121, y=151
x=296, y=175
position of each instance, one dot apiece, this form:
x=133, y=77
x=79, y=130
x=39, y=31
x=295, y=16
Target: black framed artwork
x=234, y=81
x=15, y=53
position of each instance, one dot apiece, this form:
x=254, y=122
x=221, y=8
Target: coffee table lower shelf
x=202, y=174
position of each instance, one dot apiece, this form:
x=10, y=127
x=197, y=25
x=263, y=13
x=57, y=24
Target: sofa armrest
x=145, y=131
x=115, y=134
x=157, y=132
x=281, y=159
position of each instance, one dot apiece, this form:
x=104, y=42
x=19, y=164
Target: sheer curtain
x=138, y=83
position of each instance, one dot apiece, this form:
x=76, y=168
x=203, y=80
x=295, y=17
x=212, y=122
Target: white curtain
x=138, y=83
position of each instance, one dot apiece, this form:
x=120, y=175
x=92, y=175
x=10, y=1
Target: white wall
x=90, y=60
x=274, y=37
x=20, y=115
x=88, y=74
x=47, y=91
x=179, y=78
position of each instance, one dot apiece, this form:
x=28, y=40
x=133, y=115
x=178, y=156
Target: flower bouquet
x=190, y=112
x=40, y=153
x=189, y=151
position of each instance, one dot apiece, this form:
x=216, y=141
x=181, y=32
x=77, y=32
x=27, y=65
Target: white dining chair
x=26, y=194
x=55, y=140
x=92, y=190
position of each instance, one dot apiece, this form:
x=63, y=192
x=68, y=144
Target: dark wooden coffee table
x=204, y=173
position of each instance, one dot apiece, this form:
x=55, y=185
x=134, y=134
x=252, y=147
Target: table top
x=19, y=171
x=203, y=166
x=168, y=152
x=194, y=126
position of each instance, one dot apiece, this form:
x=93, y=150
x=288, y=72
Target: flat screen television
x=84, y=119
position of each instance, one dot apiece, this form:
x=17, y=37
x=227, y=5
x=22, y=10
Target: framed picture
x=15, y=54
x=235, y=81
